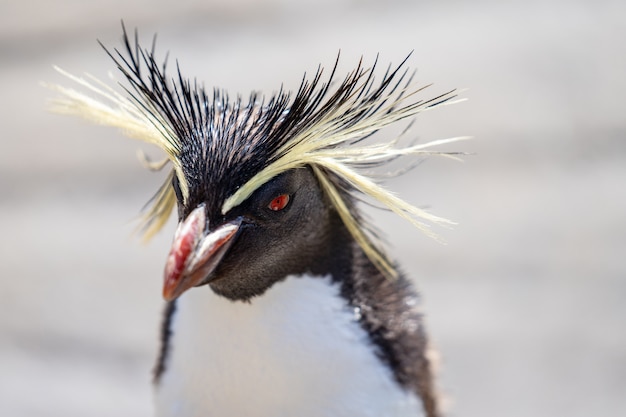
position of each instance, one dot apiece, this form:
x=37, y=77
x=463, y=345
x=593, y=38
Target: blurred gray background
x=526, y=302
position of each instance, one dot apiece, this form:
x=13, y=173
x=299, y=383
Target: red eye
x=279, y=202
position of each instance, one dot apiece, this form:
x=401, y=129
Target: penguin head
x=264, y=188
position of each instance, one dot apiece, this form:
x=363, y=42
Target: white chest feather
x=298, y=350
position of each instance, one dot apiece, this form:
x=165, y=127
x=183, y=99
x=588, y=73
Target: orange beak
x=195, y=254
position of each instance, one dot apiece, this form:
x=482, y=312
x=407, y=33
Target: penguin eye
x=279, y=202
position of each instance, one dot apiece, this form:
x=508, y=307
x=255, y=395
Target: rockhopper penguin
x=280, y=300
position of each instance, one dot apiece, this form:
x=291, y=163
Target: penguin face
x=282, y=229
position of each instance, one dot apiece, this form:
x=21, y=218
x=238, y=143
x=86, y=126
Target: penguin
x=280, y=298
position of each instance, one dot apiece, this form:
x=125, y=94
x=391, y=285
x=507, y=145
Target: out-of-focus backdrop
x=526, y=302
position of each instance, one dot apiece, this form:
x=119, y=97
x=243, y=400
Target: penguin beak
x=195, y=253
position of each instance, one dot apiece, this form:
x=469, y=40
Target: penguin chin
x=240, y=289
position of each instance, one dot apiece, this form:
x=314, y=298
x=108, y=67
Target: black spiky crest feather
x=240, y=146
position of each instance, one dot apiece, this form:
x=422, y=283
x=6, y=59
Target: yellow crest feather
x=135, y=122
